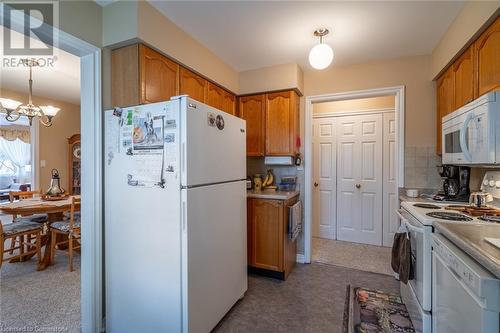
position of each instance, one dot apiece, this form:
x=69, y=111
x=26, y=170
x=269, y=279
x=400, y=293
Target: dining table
x=37, y=205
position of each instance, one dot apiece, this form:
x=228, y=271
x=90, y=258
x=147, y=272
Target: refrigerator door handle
x=183, y=216
x=183, y=157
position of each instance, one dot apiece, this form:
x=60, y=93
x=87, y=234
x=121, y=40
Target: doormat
x=369, y=311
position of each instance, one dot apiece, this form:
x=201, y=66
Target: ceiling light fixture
x=321, y=55
x=15, y=110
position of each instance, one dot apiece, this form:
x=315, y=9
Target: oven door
x=421, y=258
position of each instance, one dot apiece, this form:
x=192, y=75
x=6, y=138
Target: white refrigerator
x=175, y=249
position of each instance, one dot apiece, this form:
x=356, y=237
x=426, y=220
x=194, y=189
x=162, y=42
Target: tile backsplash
x=420, y=167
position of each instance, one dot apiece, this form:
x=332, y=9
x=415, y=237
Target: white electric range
x=419, y=218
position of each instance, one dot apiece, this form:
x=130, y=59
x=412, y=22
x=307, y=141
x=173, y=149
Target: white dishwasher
x=465, y=297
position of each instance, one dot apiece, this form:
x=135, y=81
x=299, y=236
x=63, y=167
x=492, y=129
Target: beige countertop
x=272, y=194
x=470, y=238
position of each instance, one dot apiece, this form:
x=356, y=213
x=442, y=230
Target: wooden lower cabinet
x=270, y=250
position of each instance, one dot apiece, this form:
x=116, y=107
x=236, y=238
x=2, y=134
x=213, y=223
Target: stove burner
x=449, y=216
x=490, y=218
x=428, y=206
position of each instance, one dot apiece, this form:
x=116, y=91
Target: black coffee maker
x=456, y=182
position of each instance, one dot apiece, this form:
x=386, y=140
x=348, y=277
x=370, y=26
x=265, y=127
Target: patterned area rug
x=370, y=311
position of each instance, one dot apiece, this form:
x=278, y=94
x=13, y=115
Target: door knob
x=358, y=185
x=316, y=184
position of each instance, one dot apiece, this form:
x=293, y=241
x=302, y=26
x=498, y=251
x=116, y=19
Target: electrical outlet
x=42, y=163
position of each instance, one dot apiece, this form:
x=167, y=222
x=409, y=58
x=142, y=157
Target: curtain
x=11, y=133
x=19, y=153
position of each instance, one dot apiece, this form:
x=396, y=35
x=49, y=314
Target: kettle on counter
x=479, y=199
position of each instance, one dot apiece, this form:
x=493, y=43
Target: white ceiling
x=250, y=35
x=59, y=82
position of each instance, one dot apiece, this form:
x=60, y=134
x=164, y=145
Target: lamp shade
x=49, y=110
x=321, y=56
x=9, y=104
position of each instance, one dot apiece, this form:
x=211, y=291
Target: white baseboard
x=301, y=259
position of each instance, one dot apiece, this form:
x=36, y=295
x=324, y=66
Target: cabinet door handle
x=316, y=184
x=358, y=186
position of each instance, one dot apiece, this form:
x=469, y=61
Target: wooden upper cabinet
x=445, y=102
x=281, y=123
x=266, y=234
x=252, y=109
x=140, y=75
x=215, y=96
x=463, y=76
x=487, y=56
x=193, y=85
x=125, y=86
x=159, y=76
x=229, y=103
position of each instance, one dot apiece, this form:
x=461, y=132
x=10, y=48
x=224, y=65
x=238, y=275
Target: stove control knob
x=492, y=183
x=485, y=182
x=497, y=183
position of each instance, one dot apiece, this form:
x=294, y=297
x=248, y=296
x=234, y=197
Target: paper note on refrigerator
x=112, y=136
x=147, y=149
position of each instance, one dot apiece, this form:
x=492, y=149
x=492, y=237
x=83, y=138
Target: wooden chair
x=22, y=195
x=39, y=218
x=70, y=228
x=19, y=230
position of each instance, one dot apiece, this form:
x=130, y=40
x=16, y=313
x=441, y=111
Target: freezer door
x=214, y=253
x=142, y=247
x=213, y=145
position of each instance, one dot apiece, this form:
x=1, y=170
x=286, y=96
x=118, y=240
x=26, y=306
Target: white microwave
x=471, y=134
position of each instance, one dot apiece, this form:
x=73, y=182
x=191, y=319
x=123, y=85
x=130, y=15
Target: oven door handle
x=408, y=225
x=463, y=131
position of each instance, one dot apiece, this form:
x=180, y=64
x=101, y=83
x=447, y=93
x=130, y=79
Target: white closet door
x=390, y=200
x=359, y=179
x=324, y=174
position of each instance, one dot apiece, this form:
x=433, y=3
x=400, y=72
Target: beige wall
x=353, y=105
x=126, y=20
x=53, y=144
x=412, y=72
x=463, y=29
x=287, y=76
x=82, y=19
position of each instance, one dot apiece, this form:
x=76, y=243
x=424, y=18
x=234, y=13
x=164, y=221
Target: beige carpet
x=363, y=257
x=46, y=301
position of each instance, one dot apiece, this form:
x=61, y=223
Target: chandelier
x=14, y=110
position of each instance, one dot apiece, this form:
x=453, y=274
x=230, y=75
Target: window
x=15, y=152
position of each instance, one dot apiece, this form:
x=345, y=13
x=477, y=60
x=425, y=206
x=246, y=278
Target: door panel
x=215, y=251
x=280, y=123
x=324, y=174
x=202, y=163
x=229, y=103
x=359, y=179
x=389, y=188
x=215, y=96
x=487, y=64
x=266, y=245
x=159, y=76
x=463, y=75
x=193, y=85
x=252, y=109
